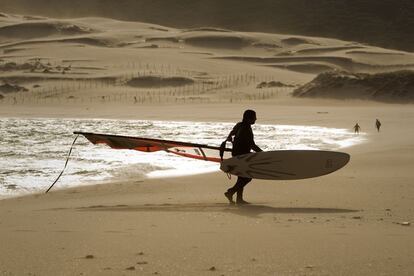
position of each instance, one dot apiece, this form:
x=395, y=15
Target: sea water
x=34, y=151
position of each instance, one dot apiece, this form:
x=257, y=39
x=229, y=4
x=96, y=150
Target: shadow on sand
x=251, y=210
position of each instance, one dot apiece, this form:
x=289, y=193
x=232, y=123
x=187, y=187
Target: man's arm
x=230, y=137
x=233, y=132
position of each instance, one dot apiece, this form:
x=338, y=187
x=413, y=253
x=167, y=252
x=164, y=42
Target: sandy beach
x=356, y=221
x=346, y=223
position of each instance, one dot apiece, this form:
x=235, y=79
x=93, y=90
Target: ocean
x=33, y=151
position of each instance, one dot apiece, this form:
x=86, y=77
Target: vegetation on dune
x=397, y=86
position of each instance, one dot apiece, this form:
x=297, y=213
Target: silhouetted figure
x=357, y=128
x=243, y=142
x=378, y=125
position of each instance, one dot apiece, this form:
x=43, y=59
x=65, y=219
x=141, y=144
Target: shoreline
x=175, y=226
x=350, y=221
x=167, y=170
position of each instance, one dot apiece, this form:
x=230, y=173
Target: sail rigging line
x=66, y=163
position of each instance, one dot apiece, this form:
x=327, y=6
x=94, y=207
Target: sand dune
x=168, y=39
x=42, y=29
x=113, y=54
x=84, y=40
x=156, y=81
x=207, y=29
x=93, y=41
x=73, y=46
x=294, y=41
x=393, y=86
x=324, y=50
x=308, y=67
x=316, y=64
x=367, y=21
x=213, y=38
x=338, y=61
x=218, y=41
x=266, y=45
x=375, y=53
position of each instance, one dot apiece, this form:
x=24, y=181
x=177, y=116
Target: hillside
x=395, y=86
x=93, y=59
x=384, y=23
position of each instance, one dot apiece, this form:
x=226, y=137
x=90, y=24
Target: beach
x=355, y=221
x=346, y=223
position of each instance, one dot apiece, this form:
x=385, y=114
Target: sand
x=350, y=222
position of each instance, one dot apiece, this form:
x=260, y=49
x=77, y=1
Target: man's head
x=249, y=116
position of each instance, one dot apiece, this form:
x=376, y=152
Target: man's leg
x=240, y=183
x=239, y=198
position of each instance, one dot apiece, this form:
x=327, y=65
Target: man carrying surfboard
x=243, y=142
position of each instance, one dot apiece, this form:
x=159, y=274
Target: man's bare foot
x=242, y=202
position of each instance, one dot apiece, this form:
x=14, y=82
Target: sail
x=191, y=150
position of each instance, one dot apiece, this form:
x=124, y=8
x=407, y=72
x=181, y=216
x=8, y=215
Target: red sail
x=191, y=150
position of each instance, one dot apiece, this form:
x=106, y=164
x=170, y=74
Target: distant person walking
x=243, y=142
x=378, y=125
x=357, y=128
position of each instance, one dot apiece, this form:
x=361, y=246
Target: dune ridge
x=29, y=30
x=284, y=16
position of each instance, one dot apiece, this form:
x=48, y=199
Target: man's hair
x=248, y=114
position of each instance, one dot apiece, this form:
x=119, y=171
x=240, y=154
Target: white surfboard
x=285, y=164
